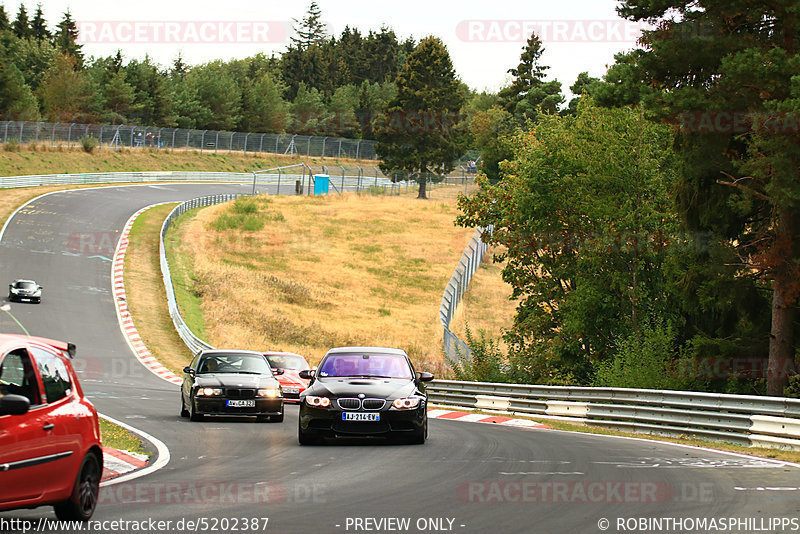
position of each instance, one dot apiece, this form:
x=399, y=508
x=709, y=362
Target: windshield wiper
x=369, y=376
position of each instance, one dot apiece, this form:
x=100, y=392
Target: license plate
x=360, y=416
x=291, y=390
x=241, y=403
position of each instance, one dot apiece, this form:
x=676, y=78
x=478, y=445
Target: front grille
x=233, y=393
x=349, y=404
x=373, y=404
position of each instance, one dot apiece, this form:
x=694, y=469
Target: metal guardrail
x=112, y=137
x=454, y=291
x=194, y=343
x=742, y=419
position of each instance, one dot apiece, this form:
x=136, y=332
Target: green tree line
x=650, y=229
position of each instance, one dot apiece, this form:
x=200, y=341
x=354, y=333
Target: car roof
x=212, y=352
x=15, y=341
x=367, y=350
x=23, y=280
x=278, y=353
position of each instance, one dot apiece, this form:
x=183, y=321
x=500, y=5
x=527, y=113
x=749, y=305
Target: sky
x=484, y=38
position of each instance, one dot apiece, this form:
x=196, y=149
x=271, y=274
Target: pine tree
x=738, y=189
x=21, y=25
x=66, y=39
x=422, y=131
x=179, y=67
x=39, y=25
x=311, y=29
x=4, y=23
x=529, y=91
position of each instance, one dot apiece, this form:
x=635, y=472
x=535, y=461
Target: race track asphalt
x=231, y=474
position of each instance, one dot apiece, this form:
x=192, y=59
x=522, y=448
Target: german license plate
x=241, y=404
x=291, y=390
x=360, y=416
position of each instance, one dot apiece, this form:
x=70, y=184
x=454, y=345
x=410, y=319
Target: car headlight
x=209, y=392
x=14, y=291
x=408, y=403
x=269, y=392
x=321, y=402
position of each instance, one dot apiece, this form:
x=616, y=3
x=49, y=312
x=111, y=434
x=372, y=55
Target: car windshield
x=367, y=365
x=233, y=363
x=285, y=361
x=26, y=285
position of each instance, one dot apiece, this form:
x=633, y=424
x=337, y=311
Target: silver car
x=24, y=290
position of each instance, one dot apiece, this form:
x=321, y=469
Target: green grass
x=118, y=438
x=181, y=266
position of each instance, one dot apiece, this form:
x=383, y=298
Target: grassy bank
x=304, y=274
x=118, y=438
x=145, y=294
x=45, y=161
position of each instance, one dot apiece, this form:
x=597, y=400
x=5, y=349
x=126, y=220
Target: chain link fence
x=454, y=291
x=114, y=137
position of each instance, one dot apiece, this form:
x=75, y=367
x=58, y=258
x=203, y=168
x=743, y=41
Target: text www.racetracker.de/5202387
x=199, y=524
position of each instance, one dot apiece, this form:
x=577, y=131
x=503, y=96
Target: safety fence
x=114, y=137
x=194, y=343
x=741, y=419
x=455, y=348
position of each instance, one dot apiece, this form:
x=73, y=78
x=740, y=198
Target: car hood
x=234, y=380
x=383, y=388
x=291, y=378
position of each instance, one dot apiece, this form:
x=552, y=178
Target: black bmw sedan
x=231, y=382
x=364, y=391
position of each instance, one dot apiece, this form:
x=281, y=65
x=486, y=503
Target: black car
x=364, y=391
x=231, y=382
x=24, y=290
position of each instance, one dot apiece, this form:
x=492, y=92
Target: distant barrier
x=113, y=137
x=454, y=291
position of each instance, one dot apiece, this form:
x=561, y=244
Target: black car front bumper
x=219, y=406
x=328, y=422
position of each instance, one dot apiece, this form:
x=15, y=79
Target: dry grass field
x=304, y=274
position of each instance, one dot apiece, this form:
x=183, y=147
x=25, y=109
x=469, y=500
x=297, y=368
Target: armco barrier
x=742, y=419
x=194, y=343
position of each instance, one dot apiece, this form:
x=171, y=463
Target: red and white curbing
x=483, y=418
x=116, y=462
x=124, y=315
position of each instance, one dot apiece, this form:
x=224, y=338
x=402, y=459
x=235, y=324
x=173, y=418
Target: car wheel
x=262, y=418
x=193, y=415
x=276, y=418
x=306, y=438
x=81, y=504
x=184, y=411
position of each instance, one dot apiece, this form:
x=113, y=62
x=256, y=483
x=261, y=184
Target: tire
x=262, y=418
x=81, y=504
x=418, y=436
x=305, y=438
x=276, y=418
x=184, y=411
x=193, y=415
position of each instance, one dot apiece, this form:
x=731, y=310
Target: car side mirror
x=307, y=374
x=425, y=377
x=14, y=405
x=277, y=372
x=188, y=370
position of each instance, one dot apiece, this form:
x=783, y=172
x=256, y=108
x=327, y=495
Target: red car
x=291, y=383
x=50, y=450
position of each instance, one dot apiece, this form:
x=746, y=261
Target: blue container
x=321, y=183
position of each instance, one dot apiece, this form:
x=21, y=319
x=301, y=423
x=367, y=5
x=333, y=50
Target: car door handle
x=48, y=426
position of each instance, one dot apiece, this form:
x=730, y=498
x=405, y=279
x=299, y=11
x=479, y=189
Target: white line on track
x=161, y=460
